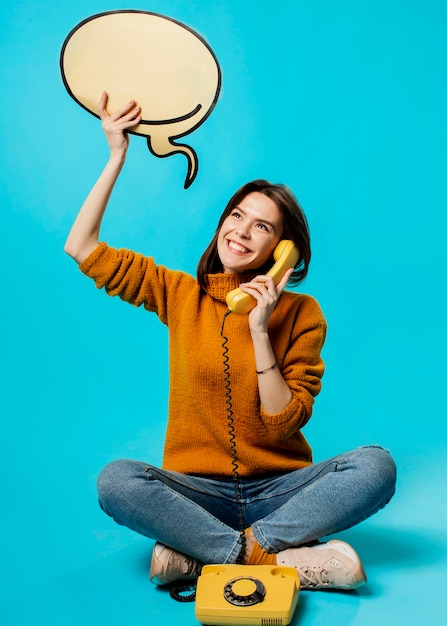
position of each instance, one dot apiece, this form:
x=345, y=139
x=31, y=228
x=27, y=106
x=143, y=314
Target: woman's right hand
x=84, y=234
x=116, y=124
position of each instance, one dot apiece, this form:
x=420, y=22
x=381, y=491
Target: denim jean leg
x=340, y=493
x=134, y=496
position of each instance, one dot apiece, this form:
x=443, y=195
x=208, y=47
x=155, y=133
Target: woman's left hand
x=266, y=294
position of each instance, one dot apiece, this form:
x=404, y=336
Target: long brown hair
x=295, y=228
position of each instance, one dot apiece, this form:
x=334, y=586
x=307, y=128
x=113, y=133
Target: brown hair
x=295, y=228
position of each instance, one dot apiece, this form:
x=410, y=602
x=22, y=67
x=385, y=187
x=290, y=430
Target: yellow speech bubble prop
x=165, y=66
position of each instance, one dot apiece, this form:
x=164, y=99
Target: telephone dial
x=286, y=256
x=258, y=595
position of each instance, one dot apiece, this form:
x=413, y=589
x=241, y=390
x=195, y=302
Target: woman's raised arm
x=84, y=234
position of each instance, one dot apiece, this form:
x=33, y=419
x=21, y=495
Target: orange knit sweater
x=197, y=438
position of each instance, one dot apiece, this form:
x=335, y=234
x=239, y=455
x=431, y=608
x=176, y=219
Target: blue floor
x=65, y=563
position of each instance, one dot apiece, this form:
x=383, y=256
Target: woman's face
x=249, y=234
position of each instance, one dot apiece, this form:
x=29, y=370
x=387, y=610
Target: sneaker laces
x=183, y=565
x=193, y=567
x=313, y=577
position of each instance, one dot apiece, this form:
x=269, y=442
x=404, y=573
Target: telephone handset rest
x=286, y=256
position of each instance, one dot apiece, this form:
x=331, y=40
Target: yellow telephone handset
x=286, y=256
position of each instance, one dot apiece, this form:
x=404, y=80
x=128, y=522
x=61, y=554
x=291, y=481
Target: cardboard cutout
x=165, y=66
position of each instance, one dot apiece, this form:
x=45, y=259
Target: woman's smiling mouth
x=236, y=247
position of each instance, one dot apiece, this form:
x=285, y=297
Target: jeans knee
x=382, y=468
x=111, y=482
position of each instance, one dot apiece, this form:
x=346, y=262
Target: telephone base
x=256, y=595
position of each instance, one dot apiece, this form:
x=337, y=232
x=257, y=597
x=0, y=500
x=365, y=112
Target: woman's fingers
x=102, y=105
x=116, y=125
x=283, y=282
x=265, y=284
x=262, y=284
x=264, y=288
x=126, y=113
x=126, y=116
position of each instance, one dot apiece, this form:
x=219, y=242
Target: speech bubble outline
x=126, y=53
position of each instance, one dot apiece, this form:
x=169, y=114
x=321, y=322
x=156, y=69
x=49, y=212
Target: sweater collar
x=218, y=285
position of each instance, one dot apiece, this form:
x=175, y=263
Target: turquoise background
x=346, y=103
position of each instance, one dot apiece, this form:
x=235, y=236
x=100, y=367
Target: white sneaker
x=167, y=566
x=331, y=565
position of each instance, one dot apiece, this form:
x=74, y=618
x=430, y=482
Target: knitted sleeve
x=133, y=277
x=302, y=368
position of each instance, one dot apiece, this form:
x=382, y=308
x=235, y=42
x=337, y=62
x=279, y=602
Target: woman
x=238, y=483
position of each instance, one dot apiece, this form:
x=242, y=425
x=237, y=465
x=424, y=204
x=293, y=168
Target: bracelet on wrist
x=266, y=370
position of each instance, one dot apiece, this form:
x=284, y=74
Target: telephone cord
x=177, y=591
x=232, y=435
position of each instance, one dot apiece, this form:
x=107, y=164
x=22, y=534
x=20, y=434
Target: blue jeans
x=199, y=516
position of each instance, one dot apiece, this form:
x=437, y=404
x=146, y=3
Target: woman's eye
x=263, y=226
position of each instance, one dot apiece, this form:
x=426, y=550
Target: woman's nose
x=243, y=232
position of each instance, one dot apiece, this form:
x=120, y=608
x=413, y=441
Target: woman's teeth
x=237, y=248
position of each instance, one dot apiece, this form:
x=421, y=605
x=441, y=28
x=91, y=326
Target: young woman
x=238, y=483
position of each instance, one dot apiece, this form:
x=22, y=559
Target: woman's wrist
x=118, y=155
x=264, y=355
x=259, y=335
x=267, y=369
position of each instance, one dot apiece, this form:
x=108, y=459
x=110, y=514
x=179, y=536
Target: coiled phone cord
x=233, y=449
x=177, y=591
